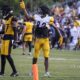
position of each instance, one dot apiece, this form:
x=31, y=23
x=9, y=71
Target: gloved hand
x=15, y=45
x=22, y=4
x=60, y=40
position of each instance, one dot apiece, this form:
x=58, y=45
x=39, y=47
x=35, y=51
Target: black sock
x=30, y=46
x=3, y=62
x=10, y=60
x=34, y=61
x=46, y=64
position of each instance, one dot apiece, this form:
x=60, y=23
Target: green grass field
x=64, y=65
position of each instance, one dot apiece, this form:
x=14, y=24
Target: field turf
x=63, y=65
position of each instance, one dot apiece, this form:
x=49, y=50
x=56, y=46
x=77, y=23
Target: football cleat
x=1, y=74
x=47, y=74
x=14, y=74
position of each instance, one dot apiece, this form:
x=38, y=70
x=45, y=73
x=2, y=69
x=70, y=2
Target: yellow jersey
x=8, y=27
x=29, y=26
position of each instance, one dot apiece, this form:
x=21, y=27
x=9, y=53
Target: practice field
x=64, y=65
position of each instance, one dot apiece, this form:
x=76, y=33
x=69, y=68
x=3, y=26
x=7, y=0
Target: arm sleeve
x=14, y=26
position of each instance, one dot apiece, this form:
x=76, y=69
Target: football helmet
x=44, y=9
x=6, y=11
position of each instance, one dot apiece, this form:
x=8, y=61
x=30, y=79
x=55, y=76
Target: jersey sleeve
x=51, y=20
x=36, y=17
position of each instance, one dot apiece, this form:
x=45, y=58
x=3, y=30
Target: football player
x=27, y=35
x=9, y=34
x=41, y=35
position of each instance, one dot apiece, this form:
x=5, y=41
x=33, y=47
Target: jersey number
x=39, y=24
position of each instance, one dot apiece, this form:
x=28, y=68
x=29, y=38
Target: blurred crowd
x=67, y=19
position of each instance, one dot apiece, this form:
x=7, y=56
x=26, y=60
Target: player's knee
x=46, y=55
x=46, y=58
x=34, y=60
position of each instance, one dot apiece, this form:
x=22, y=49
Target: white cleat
x=47, y=74
x=29, y=53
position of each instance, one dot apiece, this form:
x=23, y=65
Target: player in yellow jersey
x=9, y=34
x=27, y=36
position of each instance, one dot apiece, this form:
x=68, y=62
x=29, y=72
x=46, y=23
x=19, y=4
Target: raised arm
x=22, y=6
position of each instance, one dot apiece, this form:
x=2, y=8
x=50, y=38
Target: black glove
x=15, y=45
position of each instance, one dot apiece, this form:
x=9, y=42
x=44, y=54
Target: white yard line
x=64, y=59
x=60, y=59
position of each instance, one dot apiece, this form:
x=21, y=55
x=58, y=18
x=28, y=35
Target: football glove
x=60, y=40
x=15, y=45
x=22, y=5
